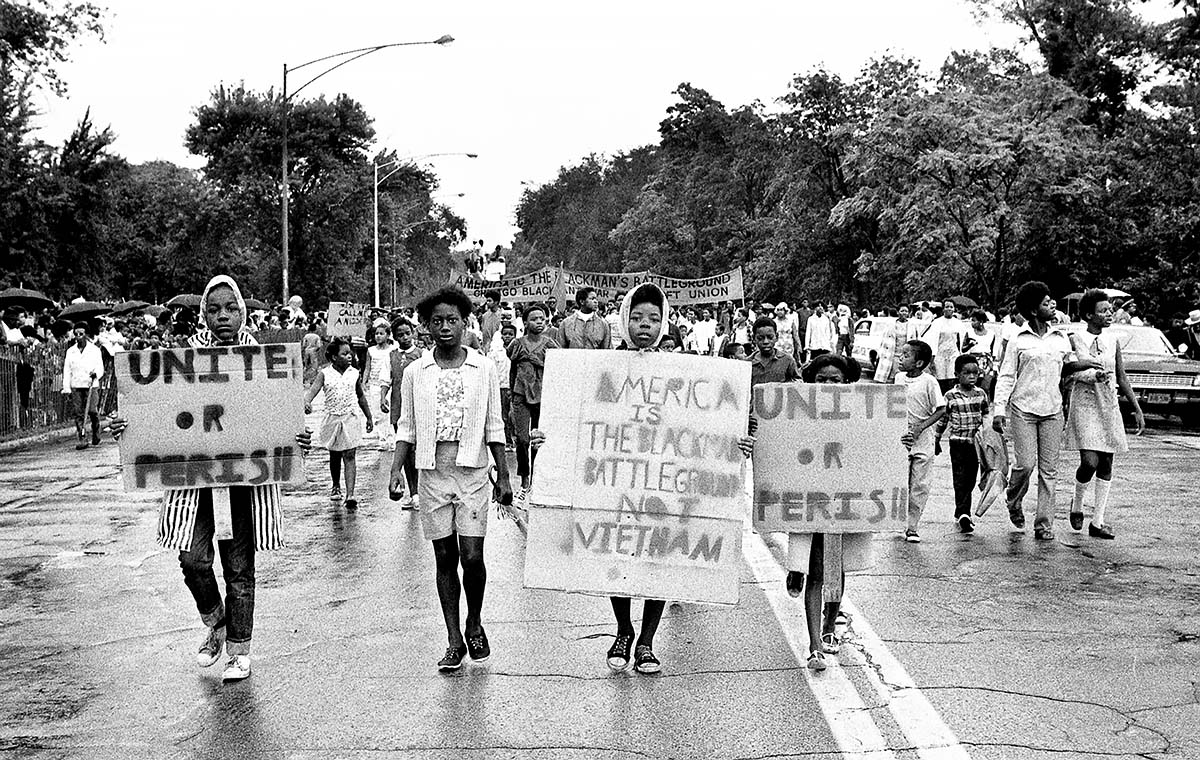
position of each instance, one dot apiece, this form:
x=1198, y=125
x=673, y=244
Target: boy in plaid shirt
x=966, y=406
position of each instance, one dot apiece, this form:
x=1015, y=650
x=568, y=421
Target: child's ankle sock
x=1080, y=490
x=1102, y=487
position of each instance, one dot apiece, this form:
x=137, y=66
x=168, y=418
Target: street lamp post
x=379, y=181
x=354, y=55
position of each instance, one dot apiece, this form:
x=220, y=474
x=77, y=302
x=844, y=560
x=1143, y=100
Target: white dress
x=1093, y=413
x=341, y=429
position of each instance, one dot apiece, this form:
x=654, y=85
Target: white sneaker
x=237, y=668
x=210, y=650
x=416, y=501
x=407, y=503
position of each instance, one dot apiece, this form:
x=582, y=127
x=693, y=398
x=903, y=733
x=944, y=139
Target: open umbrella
x=156, y=311
x=190, y=300
x=128, y=307
x=84, y=310
x=253, y=304
x=25, y=298
x=1115, y=293
x=963, y=302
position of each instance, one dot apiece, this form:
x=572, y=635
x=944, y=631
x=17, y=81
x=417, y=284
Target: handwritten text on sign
x=210, y=417
x=828, y=458
x=348, y=320
x=639, y=488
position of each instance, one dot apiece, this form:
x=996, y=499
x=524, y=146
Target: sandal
x=795, y=584
x=816, y=661
x=644, y=660
x=618, y=653
x=830, y=643
x=843, y=618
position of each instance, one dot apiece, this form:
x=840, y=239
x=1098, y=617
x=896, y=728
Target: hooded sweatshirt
x=627, y=307
x=177, y=516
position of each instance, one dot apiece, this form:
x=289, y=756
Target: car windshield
x=1148, y=341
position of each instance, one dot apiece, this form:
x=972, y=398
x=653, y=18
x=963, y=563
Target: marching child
x=925, y=407
x=377, y=377
x=340, y=432
x=405, y=354
x=966, y=406
x=527, y=355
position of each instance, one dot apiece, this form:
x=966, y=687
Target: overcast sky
x=530, y=86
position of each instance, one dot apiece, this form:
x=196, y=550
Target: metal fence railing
x=31, y=399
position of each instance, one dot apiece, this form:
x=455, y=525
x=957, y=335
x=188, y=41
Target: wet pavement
x=1074, y=649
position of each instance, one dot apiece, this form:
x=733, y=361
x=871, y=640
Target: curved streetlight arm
x=357, y=53
x=404, y=160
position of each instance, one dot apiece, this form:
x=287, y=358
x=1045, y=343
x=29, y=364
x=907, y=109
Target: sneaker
x=966, y=524
x=644, y=660
x=210, y=650
x=912, y=537
x=81, y=445
x=478, y=647
x=237, y=668
x=1043, y=534
x=1100, y=531
x=816, y=661
x=416, y=501
x=335, y=494
x=618, y=653
x=1017, y=519
x=795, y=583
x=830, y=644
x=1077, y=521
x=407, y=503
x=453, y=658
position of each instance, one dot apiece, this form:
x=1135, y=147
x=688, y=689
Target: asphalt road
x=984, y=646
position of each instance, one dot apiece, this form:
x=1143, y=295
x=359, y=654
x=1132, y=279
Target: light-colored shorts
x=454, y=499
x=857, y=551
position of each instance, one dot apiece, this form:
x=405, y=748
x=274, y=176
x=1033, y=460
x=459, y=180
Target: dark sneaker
x=912, y=536
x=644, y=660
x=1076, y=521
x=1017, y=519
x=478, y=647
x=795, y=583
x=212, y=647
x=618, y=653
x=81, y=445
x=966, y=524
x=1043, y=534
x=453, y=659
x=1101, y=531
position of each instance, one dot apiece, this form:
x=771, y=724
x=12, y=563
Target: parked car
x=868, y=337
x=1164, y=381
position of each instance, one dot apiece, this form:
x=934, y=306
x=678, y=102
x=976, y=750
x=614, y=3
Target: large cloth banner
x=525, y=288
x=211, y=417
x=348, y=320
x=640, y=486
x=828, y=458
x=562, y=284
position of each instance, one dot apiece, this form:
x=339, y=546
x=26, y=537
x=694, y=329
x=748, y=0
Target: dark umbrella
x=190, y=300
x=84, y=310
x=964, y=302
x=128, y=307
x=25, y=298
x=156, y=311
x=253, y=304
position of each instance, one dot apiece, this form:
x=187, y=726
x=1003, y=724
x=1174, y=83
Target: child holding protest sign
x=341, y=431
x=925, y=407
x=243, y=519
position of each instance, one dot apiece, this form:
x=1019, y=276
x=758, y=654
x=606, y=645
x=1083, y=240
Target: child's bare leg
x=351, y=471
x=335, y=469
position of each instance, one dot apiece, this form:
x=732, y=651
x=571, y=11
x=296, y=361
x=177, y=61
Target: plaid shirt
x=964, y=413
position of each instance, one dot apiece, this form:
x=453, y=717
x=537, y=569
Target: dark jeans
x=844, y=346
x=237, y=564
x=84, y=405
x=525, y=417
x=964, y=468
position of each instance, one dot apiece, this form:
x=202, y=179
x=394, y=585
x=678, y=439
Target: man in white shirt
x=83, y=366
x=947, y=336
x=818, y=336
x=704, y=332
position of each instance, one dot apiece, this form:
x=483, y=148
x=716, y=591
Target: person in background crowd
x=802, y=315
x=296, y=317
x=819, y=336
x=982, y=346
x=613, y=317
x=341, y=430
x=377, y=377
x=489, y=323
x=310, y=353
x=584, y=328
x=719, y=341
x=450, y=414
x=10, y=327
x=499, y=355
x=1029, y=404
x=844, y=330
x=704, y=332
x=528, y=360
x=734, y=350
x=925, y=405
x=743, y=329
x=405, y=354
x=83, y=366
x=1094, y=425
x=1192, y=336
x=725, y=316
x=787, y=328
x=768, y=364
x=947, y=336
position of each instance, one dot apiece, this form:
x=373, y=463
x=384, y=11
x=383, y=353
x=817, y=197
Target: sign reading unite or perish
x=214, y=416
x=640, y=488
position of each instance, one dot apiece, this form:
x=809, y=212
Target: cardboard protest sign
x=211, y=417
x=639, y=489
x=348, y=320
x=525, y=288
x=828, y=458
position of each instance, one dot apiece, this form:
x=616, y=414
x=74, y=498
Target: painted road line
x=920, y=723
x=845, y=712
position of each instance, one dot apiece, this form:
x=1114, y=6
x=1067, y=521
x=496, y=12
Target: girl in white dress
x=377, y=376
x=1094, y=425
x=341, y=430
